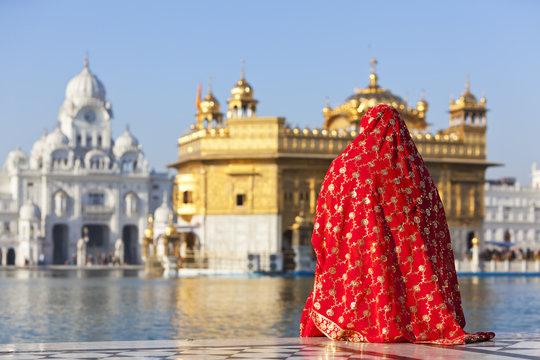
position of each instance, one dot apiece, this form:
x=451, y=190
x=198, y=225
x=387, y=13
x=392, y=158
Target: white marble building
x=512, y=212
x=77, y=177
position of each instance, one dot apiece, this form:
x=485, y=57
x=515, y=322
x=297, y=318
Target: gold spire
x=242, y=69
x=373, y=76
x=171, y=228
x=327, y=107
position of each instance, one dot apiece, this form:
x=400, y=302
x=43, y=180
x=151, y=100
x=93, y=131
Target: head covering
x=385, y=268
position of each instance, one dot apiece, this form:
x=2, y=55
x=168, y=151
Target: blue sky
x=151, y=56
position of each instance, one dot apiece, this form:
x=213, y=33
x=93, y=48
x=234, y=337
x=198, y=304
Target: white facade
x=512, y=213
x=77, y=177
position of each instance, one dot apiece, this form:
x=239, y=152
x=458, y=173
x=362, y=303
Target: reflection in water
x=81, y=305
x=239, y=307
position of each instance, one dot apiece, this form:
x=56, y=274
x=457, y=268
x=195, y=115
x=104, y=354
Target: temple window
x=187, y=197
x=240, y=200
x=96, y=199
x=131, y=204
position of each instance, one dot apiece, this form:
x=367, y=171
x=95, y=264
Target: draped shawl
x=385, y=267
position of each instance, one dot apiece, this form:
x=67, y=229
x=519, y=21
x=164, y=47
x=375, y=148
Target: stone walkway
x=504, y=346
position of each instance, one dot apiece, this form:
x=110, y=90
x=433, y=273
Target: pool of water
x=95, y=305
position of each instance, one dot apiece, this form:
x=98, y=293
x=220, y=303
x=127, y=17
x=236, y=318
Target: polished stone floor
x=504, y=346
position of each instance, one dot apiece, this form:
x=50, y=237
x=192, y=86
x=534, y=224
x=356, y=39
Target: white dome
x=85, y=85
x=37, y=151
x=162, y=213
x=56, y=139
x=125, y=142
x=16, y=159
x=29, y=211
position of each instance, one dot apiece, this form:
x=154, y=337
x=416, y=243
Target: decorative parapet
x=448, y=146
x=303, y=142
x=202, y=133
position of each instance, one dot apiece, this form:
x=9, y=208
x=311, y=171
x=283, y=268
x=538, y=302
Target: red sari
x=385, y=267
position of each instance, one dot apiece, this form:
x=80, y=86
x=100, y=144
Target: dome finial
x=468, y=84
x=209, y=85
x=86, y=60
x=373, y=75
x=373, y=65
x=422, y=95
x=127, y=127
x=242, y=69
x=327, y=100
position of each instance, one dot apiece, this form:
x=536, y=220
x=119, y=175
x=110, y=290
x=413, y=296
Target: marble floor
x=504, y=346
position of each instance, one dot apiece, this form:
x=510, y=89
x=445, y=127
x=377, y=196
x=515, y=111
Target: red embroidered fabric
x=385, y=268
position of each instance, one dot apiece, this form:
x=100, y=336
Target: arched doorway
x=130, y=234
x=191, y=246
x=60, y=244
x=98, y=242
x=10, y=257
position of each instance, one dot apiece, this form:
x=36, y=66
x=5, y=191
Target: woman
x=385, y=267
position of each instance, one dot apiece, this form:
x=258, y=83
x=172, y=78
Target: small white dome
x=85, y=85
x=16, y=159
x=125, y=142
x=37, y=150
x=162, y=213
x=29, y=211
x=56, y=139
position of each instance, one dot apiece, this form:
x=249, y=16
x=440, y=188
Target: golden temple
x=243, y=180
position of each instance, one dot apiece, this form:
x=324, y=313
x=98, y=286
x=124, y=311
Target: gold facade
x=250, y=165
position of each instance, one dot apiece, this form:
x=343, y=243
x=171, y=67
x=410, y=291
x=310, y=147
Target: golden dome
x=242, y=90
x=373, y=95
x=354, y=107
x=467, y=100
x=209, y=104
